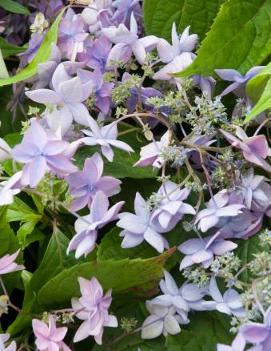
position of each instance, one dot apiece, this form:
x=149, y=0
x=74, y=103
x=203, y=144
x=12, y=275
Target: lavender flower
x=128, y=43
x=258, y=333
x=98, y=14
x=71, y=35
x=239, y=80
x=49, y=337
x=163, y=320
x=3, y=341
x=139, y=227
x=203, y=250
x=7, y=264
x=86, y=227
x=151, y=153
x=176, y=56
x=5, y=150
x=238, y=344
x=255, y=149
x=104, y=136
x=92, y=307
x=65, y=102
x=171, y=208
x=85, y=184
x=40, y=153
x=229, y=303
x=9, y=188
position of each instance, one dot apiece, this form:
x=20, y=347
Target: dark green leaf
x=239, y=38
x=10, y=49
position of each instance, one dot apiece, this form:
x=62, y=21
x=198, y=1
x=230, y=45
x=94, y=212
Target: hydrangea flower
x=258, y=333
x=238, y=344
x=150, y=155
x=65, y=101
x=49, y=337
x=83, y=185
x=98, y=14
x=71, y=35
x=8, y=264
x=5, y=150
x=92, y=308
x=203, y=250
x=41, y=154
x=239, y=80
x=128, y=43
x=124, y=9
x=86, y=227
x=139, y=227
x=105, y=136
x=176, y=56
x=171, y=208
x=255, y=149
x=3, y=342
x=162, y=320
x=229, y=303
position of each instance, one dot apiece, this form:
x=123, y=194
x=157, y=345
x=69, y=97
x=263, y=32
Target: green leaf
x=257, y=84
x=55, y=260
x=119, y=275
x=239, y=38
x=14, y=7
x=263, y=104
x=203, y=333
x=9, y=49
x=3, y=68
x=42, y=55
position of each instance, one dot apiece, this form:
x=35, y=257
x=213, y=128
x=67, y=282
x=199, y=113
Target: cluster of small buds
x=176, y=155
x=261, y=264
x=4, y=300
x=128, y=324
x=226, y=266
x=197, y=276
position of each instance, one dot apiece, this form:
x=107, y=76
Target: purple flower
x=40, y=154
x=257, y=333
x=92, y=307
x=86, y=227
x=239, y=81
x=7, y=264
x=230, y=303
x=176, y=56
x=217, y=209
x=85, y=184
x=128, y=43
x=102, y=90
x=3, y=341
x=139, y=227
x=255, y=149
x=105, y=136
x=123, y=11
x=98, y=14
x=71, y=35
x=65, y=101
x=150, y=154
x=96, y=53
x=5, y=150
x=203, y=250
x=171, y=208
x=49, y=337
x=33, y=46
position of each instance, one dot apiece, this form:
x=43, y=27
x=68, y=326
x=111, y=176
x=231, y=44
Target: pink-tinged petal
x=44, y=96
x=111, y=214
x=267, y=317
x=111, y=322
x=254, y=332
x=258, y=144
x=155, y=240
x=109, y=185
x=231, y=138
x=94, y=168
x=82, y=332
x=257, y=160
x=61, y=164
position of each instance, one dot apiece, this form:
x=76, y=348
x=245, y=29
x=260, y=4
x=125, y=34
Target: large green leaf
x=55, y=260
x=119, y=275
x=239, y=38
x=42, y=55
x=14, y=7
x=199, y=14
